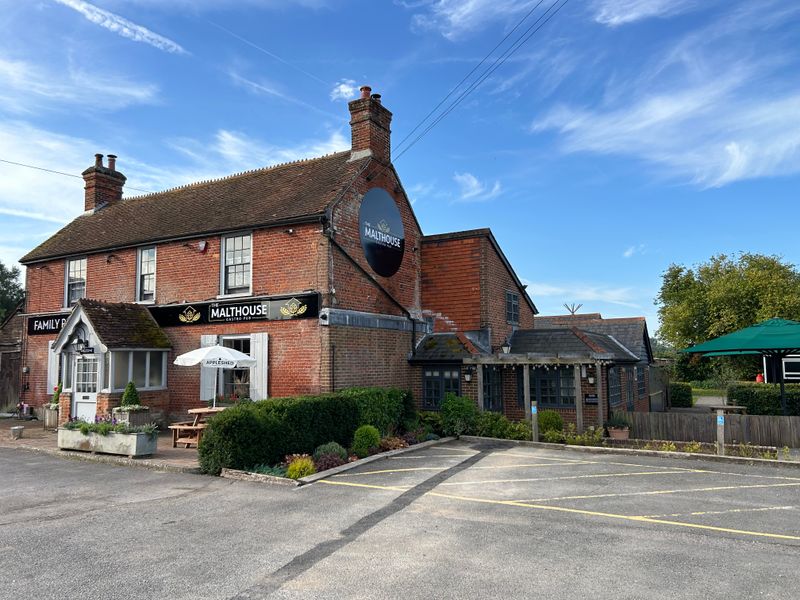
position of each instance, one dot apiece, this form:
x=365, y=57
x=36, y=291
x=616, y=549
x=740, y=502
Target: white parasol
x=215, y=357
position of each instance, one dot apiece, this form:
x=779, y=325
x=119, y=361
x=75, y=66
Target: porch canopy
x=775, y=338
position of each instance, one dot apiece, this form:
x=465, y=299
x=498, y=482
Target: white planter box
x=134, y=419
x=126, y=444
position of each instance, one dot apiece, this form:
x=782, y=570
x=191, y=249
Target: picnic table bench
x=191, y=432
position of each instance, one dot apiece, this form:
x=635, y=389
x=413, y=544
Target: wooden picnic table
x=188, y=433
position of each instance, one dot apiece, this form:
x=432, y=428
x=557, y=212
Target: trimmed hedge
x=680, y=395
x=765, y=398
x=459, y=415
x=383, y=408
x=550, y=420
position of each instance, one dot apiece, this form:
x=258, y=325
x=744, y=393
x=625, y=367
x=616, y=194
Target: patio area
x=36, y=438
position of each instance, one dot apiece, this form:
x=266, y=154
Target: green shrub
x=431, y=421
x=692, y=447
x=617, y=421
x=765, y=398
x=550, y=420
x=330, y=448
x=277, y=471
x=553, y=436
x=680, y=394
x=309, y=421
x=130, y=397
x=300, y=467
x=492, y=424
x=520, y=430
x=328, y=461
x=459, y=415
x=365, y=439
x=238, y=438
x=593, y=436
x=384, y=408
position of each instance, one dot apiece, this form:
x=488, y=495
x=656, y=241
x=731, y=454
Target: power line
x=467, y=76
x=521, y=40
x=19, y=164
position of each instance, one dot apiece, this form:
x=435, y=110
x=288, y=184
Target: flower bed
x=106, y=436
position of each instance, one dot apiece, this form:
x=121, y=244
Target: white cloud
x=457, y=18
x=632, y=250
x=25, y=87
x=267, y=88
x=472, y=189
x=345, y=89
x=122, y=26
x=580, y=292
x=700, y=111
x=621, y=12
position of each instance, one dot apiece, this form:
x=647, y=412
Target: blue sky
x=624, y=136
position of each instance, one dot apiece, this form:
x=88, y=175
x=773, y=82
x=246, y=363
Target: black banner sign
x=382, y=235
x=46, y=324
x=305, y=306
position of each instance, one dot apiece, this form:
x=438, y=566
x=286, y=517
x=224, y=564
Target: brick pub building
x=320, y=271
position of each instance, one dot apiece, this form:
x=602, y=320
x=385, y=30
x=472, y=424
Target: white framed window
x=234, y=384
x=147, y=369
x=146, y=274
x=236, y=270
x=75, y=281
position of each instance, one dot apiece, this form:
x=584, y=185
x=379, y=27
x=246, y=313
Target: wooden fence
x=699, y=427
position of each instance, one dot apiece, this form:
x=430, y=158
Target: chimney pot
x=112, y=162
x=370, y=124
x=98, y=160
x=365, y=91
x=377, y=98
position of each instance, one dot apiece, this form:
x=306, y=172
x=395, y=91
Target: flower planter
x=50, y=417
x=125, y=444
x=618, y=433
x=133, y=418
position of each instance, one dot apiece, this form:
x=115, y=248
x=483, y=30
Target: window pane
x=156, y=374
x=236, y=382
x=121, y=370
x=76, y=280
x=139, y=367
x=237, y=264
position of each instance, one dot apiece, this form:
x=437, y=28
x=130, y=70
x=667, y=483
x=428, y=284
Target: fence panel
x=759, y=430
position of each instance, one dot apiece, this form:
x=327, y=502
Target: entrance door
x=84, y=393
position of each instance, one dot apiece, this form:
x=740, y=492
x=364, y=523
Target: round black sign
x=382, y=236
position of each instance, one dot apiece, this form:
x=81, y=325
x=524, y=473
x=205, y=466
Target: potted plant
x=618, y=427
x=108, y=437
x=130, y=410
x=50, y=411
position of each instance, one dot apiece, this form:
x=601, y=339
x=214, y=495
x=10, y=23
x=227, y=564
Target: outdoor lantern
x=468, y=375
x=506, y=347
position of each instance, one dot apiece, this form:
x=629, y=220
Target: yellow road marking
x=365, y=485
x=702, y=513
x=592, y=476
x=658, y=492
x=589, y=513
x=405, y=457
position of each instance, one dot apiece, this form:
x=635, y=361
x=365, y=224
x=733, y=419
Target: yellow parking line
x=365, y=485
x=588, y=513
x=703, y=513
x=659, y=492
x=404, y=457
x=592, y=476
x=602, y=462
x=401, y=470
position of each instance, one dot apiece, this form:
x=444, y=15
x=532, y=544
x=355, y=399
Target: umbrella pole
x=216, y=386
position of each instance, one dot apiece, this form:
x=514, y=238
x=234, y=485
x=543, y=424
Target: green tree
x=10, y=290
x=722, y=295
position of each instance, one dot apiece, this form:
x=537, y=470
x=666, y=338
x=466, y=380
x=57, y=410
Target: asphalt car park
x=458, y=520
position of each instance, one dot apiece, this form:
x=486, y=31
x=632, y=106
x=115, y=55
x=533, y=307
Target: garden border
x=375, y=457
x=634, y=452
x=238, y=475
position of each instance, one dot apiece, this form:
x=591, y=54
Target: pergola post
x=578, y=398
x=479, y=383
x=526, y=389
x=601, y=401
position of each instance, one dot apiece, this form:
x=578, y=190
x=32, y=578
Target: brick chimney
x=369, y=122
x=103, y=184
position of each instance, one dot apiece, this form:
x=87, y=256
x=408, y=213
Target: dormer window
x=236, y=264
x=76, y=280
x=146, y=275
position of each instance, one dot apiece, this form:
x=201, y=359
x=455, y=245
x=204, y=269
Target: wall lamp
x=468, y=372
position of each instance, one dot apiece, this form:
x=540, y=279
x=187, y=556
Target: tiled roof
x=445, y=347
x=631, y=331
x=568, y=343
x=11, y=328
x=281, y=194
x=123, y=325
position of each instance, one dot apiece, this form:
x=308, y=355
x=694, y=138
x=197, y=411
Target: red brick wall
x=353, y=287
x=44, y=287
x=495, y=281
x=368, y=357
x=451, y=283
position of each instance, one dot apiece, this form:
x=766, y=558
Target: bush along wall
x=680, y=395
x=765, y=398
x=263, y=432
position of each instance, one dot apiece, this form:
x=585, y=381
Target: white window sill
x=241, y=295
x=145, y=302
